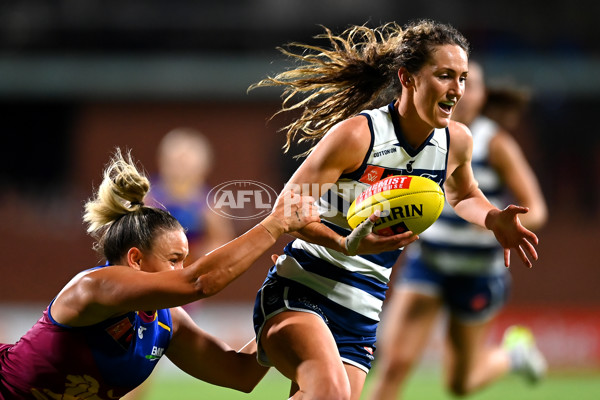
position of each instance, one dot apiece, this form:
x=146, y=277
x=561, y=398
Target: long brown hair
x=358, y=71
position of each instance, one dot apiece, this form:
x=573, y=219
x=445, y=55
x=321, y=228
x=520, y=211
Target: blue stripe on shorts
x=354, y=334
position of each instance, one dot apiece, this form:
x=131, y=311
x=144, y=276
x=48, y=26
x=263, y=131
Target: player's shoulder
x=459, y=129
x=356, y=122
x=461, y=141
x=460, y=134
x=351, y=133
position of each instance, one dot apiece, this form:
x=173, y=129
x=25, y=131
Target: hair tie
x=137, y=203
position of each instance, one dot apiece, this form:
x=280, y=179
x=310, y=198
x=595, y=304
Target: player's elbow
x=248, y=379
x=535, y=219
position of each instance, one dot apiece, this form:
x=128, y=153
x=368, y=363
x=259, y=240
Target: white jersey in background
x=451, y=244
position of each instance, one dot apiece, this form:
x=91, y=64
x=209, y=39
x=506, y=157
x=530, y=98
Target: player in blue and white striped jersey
x=317, y=313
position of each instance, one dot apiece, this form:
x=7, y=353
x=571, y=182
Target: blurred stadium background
x=79, y=77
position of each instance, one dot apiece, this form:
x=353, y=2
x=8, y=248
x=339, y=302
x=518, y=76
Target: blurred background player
x=185, y=160
x=458, y=267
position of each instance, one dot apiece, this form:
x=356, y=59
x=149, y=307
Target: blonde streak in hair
x=129, y=183
x=105, y=208
x=119, y=178
x=324, y=73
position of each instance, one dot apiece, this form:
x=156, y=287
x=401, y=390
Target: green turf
x=423, y=385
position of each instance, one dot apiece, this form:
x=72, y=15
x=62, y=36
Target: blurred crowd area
x=78, y=78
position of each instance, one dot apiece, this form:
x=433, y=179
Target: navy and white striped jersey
x=451, y=244
x=358, y=283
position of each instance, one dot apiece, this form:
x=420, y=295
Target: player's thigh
x=357, y=377
x=300, y=345
x=466, y=342
x=474, y=301
x=408, y=320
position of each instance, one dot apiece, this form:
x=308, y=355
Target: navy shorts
x=471, y=298
x=279, y=294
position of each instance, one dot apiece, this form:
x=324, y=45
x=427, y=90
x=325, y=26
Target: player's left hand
x=362, y=240
x=511, y=234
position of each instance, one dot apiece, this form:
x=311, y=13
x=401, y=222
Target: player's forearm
x=320, y=234
x=475, y=208
x=223, y=265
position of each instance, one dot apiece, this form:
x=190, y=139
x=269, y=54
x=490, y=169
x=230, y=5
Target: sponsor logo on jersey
x=372, y=174
x=385, y=152
x=141, y=330
x=157, y=352
x=122, y=332
x=382, y=187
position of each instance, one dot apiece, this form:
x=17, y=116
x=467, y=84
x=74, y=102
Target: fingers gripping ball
x=407, y=203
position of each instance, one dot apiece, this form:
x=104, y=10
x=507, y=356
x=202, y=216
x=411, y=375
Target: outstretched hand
x=511, y=234
x=362, y=240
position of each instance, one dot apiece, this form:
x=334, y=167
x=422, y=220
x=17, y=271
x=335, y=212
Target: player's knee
x=332, y=389
x=334, y=392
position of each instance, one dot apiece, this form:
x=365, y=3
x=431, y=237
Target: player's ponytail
x=117, y=217
x=332, y=84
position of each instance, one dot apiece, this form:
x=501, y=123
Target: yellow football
x=407, y=203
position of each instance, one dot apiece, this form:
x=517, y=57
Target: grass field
x=422, y=386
